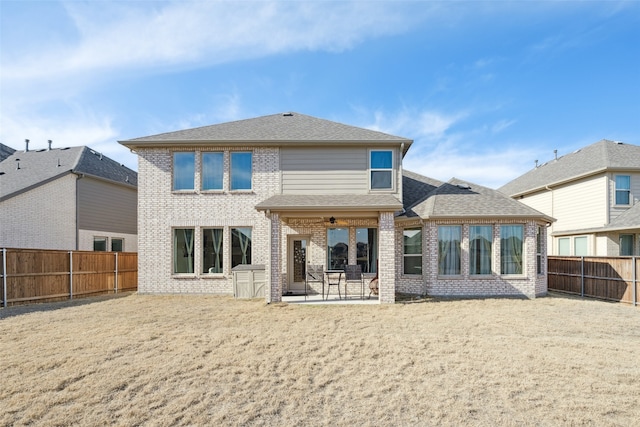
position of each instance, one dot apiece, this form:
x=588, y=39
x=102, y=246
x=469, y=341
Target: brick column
x=386, y=258
x=274, y=293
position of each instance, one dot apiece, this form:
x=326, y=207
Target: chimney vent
x=536, y=164
x=555, y=154
x=26, y=143
x=49, y=142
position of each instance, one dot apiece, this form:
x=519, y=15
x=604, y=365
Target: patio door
x=297, y=262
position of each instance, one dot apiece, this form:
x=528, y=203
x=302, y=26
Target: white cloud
x=136, y=35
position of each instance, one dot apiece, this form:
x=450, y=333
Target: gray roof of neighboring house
x=598, y=157
x=629, y=219
x=276, y=128
x=459, y=199
x=5, y=151
x=37, y=167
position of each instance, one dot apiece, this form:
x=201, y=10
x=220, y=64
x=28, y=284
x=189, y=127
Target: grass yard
x=207, y=360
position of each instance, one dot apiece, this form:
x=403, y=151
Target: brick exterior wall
x=530, y=284
x=160, y=211
x=42, y=218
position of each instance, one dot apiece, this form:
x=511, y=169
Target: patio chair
x=315, y=273
x=353, y=274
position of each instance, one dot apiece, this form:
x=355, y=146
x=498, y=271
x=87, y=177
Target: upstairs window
x=623, y=189
x=381, y=167
x=212, y=170
x=241, y=171
x=184, y=170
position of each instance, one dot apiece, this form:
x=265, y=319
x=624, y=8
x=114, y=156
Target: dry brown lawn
x=206, y=360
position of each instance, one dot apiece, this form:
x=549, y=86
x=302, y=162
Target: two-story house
x=289, y=190
x=593, y=194
x=70, y=198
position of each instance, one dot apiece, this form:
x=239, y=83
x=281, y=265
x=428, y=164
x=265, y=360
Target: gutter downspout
x=80, y=176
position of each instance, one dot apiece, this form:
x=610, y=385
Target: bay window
x=449, y=237
x=511, y=240
x=480, y=242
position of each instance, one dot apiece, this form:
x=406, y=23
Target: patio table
x=332, y=273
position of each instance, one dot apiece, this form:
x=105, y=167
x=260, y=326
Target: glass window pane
x=412, y=264
x=623, y=187
x=100, y=244
x=380, y=179
x=367, y=249
x=212, y=171
x=241, y=171
x=626, y=244
x=240, y=246
x=381, y=160
x=511, y=237
x=564, y=247
x=580, y=246
x=480, y=241
x=337, y=248
x=184, y=171
x=117, y=245
x=449, y=249
x=412, y=251
x=183, y=250
x=212, y=250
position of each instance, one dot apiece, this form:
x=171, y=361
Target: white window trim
x=392, y=170
x=616, y=189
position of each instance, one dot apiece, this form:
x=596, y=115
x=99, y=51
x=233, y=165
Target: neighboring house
x=593, y=193
x=5, y=151
x=288, y=190
x=67, y=198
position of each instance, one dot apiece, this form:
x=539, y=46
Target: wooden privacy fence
x=608, y=278
x=34, y=275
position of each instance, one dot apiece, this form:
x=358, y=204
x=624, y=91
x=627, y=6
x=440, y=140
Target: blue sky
x=483, y=88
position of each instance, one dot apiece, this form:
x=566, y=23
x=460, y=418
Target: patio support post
x=4, y=277
x=275, y=291
x=386, y=258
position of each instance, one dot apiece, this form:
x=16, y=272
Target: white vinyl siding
x=583, y=204
x=331, y=170
x=324, y=170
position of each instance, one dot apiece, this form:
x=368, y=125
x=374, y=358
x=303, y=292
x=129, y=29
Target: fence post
x=70, y=274
x=635, y=279
x=4, y=277
x=582, y=276
x=115, y=284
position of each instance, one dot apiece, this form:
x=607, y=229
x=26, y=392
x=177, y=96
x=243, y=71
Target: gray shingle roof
x=597, y=157
x=41, y=166
x=458, y=199
x=275, y=128
x=5, y=151
x=416, y=188
x=629, y=219
x=337, y=202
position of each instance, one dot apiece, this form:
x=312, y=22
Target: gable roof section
x=595, y=158
x=457, y=199
x=5, y=151
x=285, y=128
x=628, y=220
x=416, y=188
x=38, y=167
